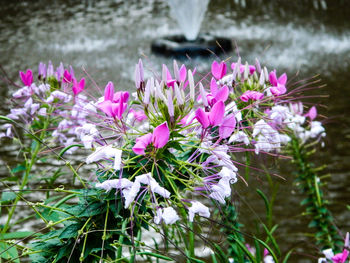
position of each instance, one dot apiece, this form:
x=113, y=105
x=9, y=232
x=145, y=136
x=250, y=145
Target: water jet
x=189, y=15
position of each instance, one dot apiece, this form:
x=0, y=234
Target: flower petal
x=161, y=135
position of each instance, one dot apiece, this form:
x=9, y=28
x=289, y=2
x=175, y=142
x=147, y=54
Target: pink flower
x=251, y=95
x=227, y=126
x=139, y=75
x=112, y=109
x=180, y=75
x=341, y=257
x=142, y=143
x=213, y=118
x=312, y=113
x=78, y=87
x=160, y=136
x=27, y=78
x=252, y=68
x=121, y=96
x=138, y=115
x=218, y=70
x=278, y=85
x=67, y=77
x=217, y=94
x=109, y=91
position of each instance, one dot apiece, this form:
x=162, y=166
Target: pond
x=106, y=38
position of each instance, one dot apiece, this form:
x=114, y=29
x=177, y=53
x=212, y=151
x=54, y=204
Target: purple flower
x=27, y=78
x=60, y=71
x=138, y=115
x=41, y=71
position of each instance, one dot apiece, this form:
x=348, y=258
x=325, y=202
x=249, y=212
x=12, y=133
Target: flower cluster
x=186, y=134
x=174, y=139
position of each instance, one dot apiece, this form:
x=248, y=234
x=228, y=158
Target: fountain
x=189, y=15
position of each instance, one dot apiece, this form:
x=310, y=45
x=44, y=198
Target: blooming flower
x=169, y=216
x=197, y=208
x=159, y=138
x=27, y=78
x=251, y=95
x=78, y=86
x=106, y=152
x=278, y=85
x=213, y=118
x=218, y=69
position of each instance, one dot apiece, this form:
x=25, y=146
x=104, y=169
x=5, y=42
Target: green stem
x=191, y=240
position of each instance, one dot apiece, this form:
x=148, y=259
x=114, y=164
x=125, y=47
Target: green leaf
x=63, y=151
x=7, y=196
x=221, y=254
x=6, y=119
x=195, y=260
x=246, y=251
x=9, y=252
x=287, y=256
x=313, y=223
x=269, y=249
x=274, y=243
x=16, y=235
x=70, y=231
x=18, y=168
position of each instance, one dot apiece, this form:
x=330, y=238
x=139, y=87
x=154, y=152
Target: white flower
x=317, y=129
x=232, y=106
x=169, y=216
x=87, y=141
x=23, y=92
x=197, y=208
x=42, y=112
x=239, y=136
x=221, y=190
x=229, y=174
x=131, y=193
x=328, y=253
x=106, y=152
x=268, y=259
x=155, y=187
x=114, y=183
x=158, y=216
x=63, y=97
x=322, y=260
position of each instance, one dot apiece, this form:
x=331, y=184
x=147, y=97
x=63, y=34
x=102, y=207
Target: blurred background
x=302, y=37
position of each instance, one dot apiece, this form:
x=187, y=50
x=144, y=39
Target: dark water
x=107, y=38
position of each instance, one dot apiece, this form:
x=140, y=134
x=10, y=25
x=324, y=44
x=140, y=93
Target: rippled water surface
x=106, y=38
